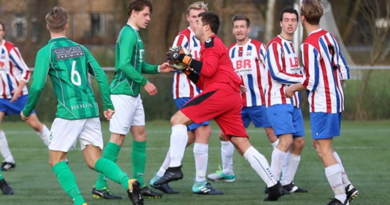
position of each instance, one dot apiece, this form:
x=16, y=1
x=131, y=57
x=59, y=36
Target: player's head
x=241, y=27
x=311, y=11
x=139, y=12
x=57, y=20
x=206, y=25
x=193, y=11
x=288, y=21
x=2, y=31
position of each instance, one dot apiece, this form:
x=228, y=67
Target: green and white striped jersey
x=129, y=63
x=68, y=64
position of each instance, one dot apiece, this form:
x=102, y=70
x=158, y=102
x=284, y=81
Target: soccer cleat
x=351, y=192
x=284, y=191
x=338, y=202
x=171, y=174
x=146, y=192
x=164, y=187
x=104, y=193
x=205, y=189
x=219, y=176
x=134, y=192
x=274, y=192
x=7, y=166
x=5, y=188
x=292, y=188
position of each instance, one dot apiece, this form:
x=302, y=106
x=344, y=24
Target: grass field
x=364, y=148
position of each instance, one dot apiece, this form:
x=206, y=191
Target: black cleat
x=338, y=202
x=351, y=192
x=5, y=188
x=165, y=188
x=8, y=166
x=284, y=191
x=146, y=192
x=171, y=174
x=292, y=188
x=104, y=193
x=274, y=192
x=134, y=192
x=206, y=189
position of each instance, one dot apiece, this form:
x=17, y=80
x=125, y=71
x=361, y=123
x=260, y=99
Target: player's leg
x=8, y=159
x=41, y=129
x=91, y=142
x=4, y=187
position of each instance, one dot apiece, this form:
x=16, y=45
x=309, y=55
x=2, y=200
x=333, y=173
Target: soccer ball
x=179, y=66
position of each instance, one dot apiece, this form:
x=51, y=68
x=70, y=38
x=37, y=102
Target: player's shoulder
x=233, y=45
x=277, y=40
x=9, y=46
x=213, y=41
x=185, y=32
x=256, y=43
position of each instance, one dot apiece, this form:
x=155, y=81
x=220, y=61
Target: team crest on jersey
x=68, y=52
x=2, y=56
x=248, y=52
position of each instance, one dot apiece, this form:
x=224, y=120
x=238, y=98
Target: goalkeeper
x=220, y=100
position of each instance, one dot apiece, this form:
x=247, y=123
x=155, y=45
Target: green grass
x=364, y=148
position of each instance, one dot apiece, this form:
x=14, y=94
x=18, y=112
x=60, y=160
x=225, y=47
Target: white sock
x=164, y=165
x=44, y=134
x=179, y=138
x=274, y=144
x=333, y=174
x=260, y=164
x=4, y=149
x=201, y=154
x=227, y=151
x=290, y=167
x=277, y=162
x=344, y=175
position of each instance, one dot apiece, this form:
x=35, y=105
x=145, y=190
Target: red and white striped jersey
x=13, y=69
x=248, y=63
x=182, y=86
x=282, y=70
x=324, y=68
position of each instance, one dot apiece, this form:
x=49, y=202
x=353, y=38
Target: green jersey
x=68, y=64
x=129, y=63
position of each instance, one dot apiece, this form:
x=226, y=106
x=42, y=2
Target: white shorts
x=129, y=111
x=64, y=134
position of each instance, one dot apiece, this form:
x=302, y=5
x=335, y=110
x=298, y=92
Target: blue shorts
x=15, y=108
x=286, y=119
x=257, y=115
x=325, y=125
x=179, y=103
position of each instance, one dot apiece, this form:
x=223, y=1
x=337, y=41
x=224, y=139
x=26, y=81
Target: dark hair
x=241, y=18
x=57, y=19
x=2, y=24
x=139, y=5
x=210, y=18
x=288, y=9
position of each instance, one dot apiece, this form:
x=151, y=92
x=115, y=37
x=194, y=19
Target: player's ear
x=47, y=27
x=66, y=26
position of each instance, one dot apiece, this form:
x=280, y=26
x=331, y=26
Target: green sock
x=1, y=175
x=68, y=182
x=112, y=171
x=111, y=153
x=138, y=160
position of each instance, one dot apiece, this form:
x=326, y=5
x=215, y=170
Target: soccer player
x=68, y=63
x=5, y=188
x=183, y=90
x=14, y=74
x=283, y=69
x=324, y=72
x=219, y=100
x=247, y=56
x=125, y=95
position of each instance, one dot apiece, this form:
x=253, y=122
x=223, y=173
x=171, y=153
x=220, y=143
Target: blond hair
x=57, y=19
x=312, y=11
x=197, y=6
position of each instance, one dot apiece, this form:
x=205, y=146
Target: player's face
x=2, y=32
x=241, y=30
x=289, y=23
x=192, y=16
x=199, y=29
x=142, y=18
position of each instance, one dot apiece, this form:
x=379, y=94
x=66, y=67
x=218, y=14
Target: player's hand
x=150, y=88
x=23, y=117
x=243, y=89
x=108, y=114
x=15, y=94
x=178, y=54
x=289, y=92
x=166, y=68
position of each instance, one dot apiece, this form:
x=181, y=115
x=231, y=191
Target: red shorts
x=223, y=105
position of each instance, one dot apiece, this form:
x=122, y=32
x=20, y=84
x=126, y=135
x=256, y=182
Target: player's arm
x=343, y=67
x=274, y=62
x=95, y=70
x=127, y=42
x=42, y=64
x=311, y=57
x=17, y=61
